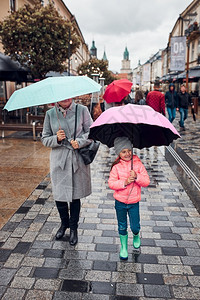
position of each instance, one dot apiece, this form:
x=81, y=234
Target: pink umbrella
x=117, y=90
x=140, y=123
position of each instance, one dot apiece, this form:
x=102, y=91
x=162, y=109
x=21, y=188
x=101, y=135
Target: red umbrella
x=117, y=90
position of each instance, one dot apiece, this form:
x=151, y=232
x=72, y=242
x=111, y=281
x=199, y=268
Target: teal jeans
x=132, y=210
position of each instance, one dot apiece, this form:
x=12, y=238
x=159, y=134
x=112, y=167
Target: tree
x=38, y=37
x=96, y=66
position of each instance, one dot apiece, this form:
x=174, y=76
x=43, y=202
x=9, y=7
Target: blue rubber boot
x=124, y=247
x=136, y=241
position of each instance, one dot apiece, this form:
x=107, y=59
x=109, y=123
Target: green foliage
x=38, y=37
x=96, y=66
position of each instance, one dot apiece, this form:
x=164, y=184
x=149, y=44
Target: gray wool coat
x=70, y=177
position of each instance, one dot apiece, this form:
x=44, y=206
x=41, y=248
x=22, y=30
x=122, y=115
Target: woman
x=70, y=177
x=139, y=98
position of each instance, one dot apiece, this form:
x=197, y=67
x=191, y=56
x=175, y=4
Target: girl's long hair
x=115, y=162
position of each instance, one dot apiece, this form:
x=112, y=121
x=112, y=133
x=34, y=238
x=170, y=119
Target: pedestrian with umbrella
x=70, y=177
x=125, y=127
x=117, y=92
x=127, y=183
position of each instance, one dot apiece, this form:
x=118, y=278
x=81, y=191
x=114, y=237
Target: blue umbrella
x=51, y=90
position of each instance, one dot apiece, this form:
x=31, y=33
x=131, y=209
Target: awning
x=193, y=73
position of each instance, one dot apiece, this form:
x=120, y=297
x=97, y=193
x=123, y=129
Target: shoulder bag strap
x=75, y=121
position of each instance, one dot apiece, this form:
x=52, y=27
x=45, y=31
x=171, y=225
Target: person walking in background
x=139, y=98
x=70, y=177
x=184, y=100
x=127, y=185
x=171, y=101
x=156, y=99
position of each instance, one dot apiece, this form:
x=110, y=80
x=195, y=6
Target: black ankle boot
x=61, y=232
x=73, y=239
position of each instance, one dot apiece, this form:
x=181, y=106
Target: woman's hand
x=60, y=135
x=74, y=144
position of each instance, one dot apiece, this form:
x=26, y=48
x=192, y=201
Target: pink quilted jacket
x=120, y=172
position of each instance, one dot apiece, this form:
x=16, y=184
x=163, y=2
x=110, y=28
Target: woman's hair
x=115, y=162
x=138, y=95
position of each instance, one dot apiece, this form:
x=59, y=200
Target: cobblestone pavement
x=190, y=138
x=33, y=265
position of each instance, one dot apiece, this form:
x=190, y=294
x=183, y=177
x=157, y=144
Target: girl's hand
x=60, y=135
x=74, y=144
x=133, y=174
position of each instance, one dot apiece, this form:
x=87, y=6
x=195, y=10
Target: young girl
x=127, y=185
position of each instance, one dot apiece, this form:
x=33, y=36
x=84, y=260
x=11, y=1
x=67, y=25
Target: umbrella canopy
x=11, y=70
x=117, y=90
x=51, y=90
x=140, y=123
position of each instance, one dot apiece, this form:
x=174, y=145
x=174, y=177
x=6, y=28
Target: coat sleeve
x=48, y=138
x=83, y=140
x=114, y=182
x=142, y=176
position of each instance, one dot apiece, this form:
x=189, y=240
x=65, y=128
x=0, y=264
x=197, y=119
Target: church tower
x=126, y=63
x=93, y=50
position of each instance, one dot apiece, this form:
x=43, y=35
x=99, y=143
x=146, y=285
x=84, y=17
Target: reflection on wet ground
x=23, y=165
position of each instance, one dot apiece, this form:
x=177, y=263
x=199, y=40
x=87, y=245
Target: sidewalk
x=36, y=266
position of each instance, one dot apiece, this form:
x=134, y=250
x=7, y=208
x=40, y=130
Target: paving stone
x=16, y=294
x=170, y=260
x=10, y=226
x=47, y=284
x=14, y=260
x=51, y=262
x=46, y=272
x=42, y=245
x=183, y=224
x=104, y=266
x=186, y=292
x=22, y=247
x=74, y=286
x=194, y=280
x=126, y=289
x=36, y=252
x=6, y=275
x=95, y=297
x=190, y=260
x=11, y=243
x=162, y=229
x=96, y=275
x=19, y=282
x=107, y=247
x=4, y=254
x=33, y=262
x=39, y=295
x=151, y=268
x=196, y=270
x=177, y=269
x=67, y=296
x=24, y=271
x=146, y=258
x=124, y=277
x=175, y=280
x=188, y=244
x=102, y=288
x=97, y=255
x=174, y=251
x=53, y=253
x=157, y=291
x=149, y=278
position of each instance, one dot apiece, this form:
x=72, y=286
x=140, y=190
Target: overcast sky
x=141, y=25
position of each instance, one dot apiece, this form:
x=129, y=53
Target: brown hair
x=115, y=162
x=138, y=95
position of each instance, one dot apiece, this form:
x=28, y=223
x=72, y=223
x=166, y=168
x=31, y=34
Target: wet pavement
x=33, y=265
x=23, y=164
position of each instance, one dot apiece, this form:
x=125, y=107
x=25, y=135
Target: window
x=192, y=51
x=12, y=5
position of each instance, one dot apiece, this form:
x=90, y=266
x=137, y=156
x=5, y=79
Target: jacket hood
x=171, y=84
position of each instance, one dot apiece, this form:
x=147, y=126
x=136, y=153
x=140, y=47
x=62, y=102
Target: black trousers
x=70, y=220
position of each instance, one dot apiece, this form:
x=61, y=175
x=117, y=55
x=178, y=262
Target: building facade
x=82, y=53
